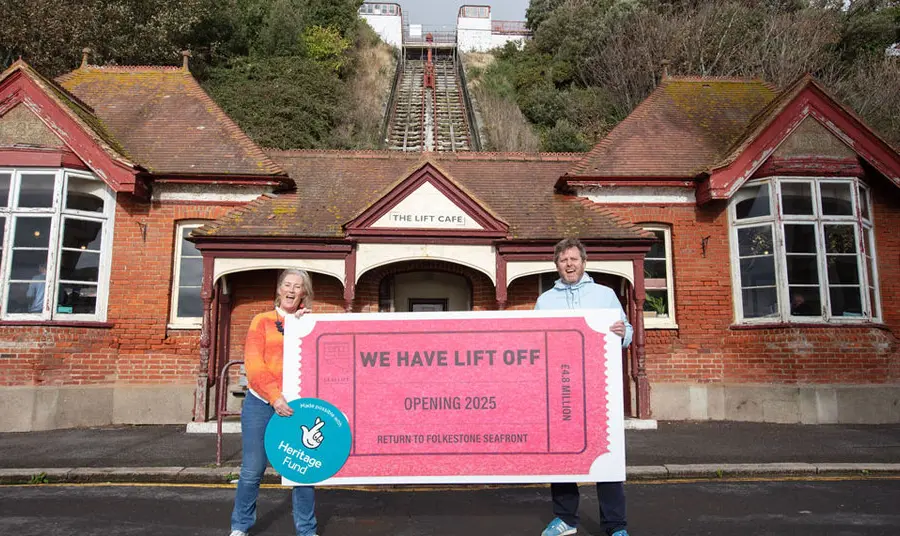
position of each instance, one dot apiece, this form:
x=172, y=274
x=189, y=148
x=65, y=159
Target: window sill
x=809, y=325
x=659, y=325
x=57, y=324
x=184, y=327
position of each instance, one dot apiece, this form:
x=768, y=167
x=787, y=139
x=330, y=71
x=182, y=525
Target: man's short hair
x=568, y=243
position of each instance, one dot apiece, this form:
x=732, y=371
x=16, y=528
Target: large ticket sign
x=473, y=397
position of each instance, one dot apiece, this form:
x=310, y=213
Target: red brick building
x=747, y=231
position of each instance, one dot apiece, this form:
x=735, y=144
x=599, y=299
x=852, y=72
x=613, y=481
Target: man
x=576, y=290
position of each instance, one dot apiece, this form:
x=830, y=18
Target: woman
x=263, y=361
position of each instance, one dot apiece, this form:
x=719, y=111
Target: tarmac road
x=840, y=507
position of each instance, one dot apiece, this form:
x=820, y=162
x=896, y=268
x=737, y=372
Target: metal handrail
x=221, y=406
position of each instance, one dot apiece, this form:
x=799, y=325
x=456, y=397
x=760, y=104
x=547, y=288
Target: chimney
x=185, y=55
x=665, y=69
x=85, y=52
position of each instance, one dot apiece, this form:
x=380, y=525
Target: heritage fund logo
x=293, y=443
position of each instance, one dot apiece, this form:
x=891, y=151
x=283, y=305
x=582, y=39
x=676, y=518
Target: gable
x=427, y=208
x=20, y=126
x=427, y=203
x=812, y=139
x=805, y=101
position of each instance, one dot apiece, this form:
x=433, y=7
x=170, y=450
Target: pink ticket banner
x=468, y=397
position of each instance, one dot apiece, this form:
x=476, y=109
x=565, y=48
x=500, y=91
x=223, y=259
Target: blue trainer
x=558, y=527
x=620, y=533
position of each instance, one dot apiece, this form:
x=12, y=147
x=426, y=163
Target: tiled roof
x=684, y=127
x=333, y=187
x=166, y=122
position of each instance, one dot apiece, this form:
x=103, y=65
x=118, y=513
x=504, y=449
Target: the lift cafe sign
x=466, y=397
x=423, y=219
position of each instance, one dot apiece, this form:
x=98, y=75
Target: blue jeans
x=255, y=415
x=610, y=495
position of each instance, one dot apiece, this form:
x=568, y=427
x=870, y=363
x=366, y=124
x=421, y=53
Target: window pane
x=28, y=264
x=658, y=249
x=758, y=272
x=25, y=297
x=759, y=302
x=842, y=270
x=79, y=266
x=796, y=198
x=191, y=272
x=836, y=199
x=800, y=238
x=189, y=302
x=840, y=239
x=656, y=302
x=36, y=191
x=802, y=269
x=754, y=202
x=187, y=248
x=755, y=241
x=82, y=234
x=5, y=179
x=32, y=232
x=2, y=236
x=83, y=194
x=77, y=299
x=806, y=301
x=864, y=202
x=655, y=269
x=845, y=301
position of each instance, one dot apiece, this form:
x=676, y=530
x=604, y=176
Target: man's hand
x=618, y=328
x=282, y=408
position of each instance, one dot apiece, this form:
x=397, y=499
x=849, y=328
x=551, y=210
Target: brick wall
x=136, y=347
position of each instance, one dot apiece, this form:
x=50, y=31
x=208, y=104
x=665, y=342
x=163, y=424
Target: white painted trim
x=669, y=195
x=518, y=269
x=333, y=267
x=477, y=257
x=208, y=193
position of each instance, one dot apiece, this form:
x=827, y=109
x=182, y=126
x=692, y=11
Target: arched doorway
x=424, y=291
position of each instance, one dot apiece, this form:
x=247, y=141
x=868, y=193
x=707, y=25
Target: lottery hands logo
x=312, y=437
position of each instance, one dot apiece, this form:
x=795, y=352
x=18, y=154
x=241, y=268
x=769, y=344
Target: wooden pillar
x=201, y=393
x=638, y=352
x=500, y=289
x=350, y=280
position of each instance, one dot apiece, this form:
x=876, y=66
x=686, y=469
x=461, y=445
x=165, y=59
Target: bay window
x=803, y=251
x=55, y=244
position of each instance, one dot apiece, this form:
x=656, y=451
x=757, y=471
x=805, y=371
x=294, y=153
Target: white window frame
x=175, y=321
x=57, y=214
x=869, y=288
x=667, y=322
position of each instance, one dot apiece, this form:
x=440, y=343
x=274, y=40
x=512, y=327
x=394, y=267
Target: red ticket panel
x=454, y=399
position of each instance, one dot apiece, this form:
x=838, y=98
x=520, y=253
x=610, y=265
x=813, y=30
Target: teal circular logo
x=312, y=444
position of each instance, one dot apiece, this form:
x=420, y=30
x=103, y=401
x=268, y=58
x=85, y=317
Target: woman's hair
x=307, y=287
x=568, y=243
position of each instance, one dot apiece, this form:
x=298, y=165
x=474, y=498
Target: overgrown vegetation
x=591, y=62
x=288, y=71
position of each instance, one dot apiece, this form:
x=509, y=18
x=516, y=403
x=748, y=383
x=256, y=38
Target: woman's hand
x=301, y=311
x=282, y=408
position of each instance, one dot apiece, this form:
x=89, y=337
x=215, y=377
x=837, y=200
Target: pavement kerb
x=224, y=475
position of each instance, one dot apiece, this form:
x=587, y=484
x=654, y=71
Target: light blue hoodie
x=585, y=294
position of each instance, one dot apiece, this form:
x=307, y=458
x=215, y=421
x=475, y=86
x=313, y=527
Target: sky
x=443, y=12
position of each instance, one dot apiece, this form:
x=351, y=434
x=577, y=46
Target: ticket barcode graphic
x=466, y=397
